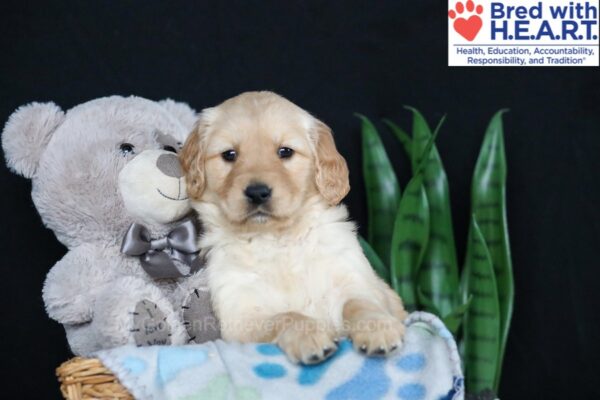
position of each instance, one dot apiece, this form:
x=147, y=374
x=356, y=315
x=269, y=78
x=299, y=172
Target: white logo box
x=524, y=33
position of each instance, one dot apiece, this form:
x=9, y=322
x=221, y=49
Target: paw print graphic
x=467, y=27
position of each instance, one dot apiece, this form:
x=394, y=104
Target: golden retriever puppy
x=284, y=264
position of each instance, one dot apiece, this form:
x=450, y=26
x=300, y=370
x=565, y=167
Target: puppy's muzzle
x=258, y=193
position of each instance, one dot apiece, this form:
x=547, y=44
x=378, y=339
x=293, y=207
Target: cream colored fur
x=297, y=276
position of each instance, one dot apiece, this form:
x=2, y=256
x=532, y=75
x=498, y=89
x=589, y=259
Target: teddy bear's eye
x=126, y=149
x=170, y=148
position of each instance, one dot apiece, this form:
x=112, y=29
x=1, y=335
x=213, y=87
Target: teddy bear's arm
x=69, y=285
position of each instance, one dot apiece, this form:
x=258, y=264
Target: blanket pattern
x=426, y=368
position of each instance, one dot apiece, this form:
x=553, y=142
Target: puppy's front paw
x=307, y=341
x=377, y=335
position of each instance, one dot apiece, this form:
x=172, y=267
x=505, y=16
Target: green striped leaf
x=402, y=136
x=453, y=321
x=383, y=191
x=409, y=241
x=481, y=333
x=438, y=274
x=488, y=201
x=374, y=260
x=425, y=302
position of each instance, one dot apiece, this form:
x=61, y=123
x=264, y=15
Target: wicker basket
x=86, y=378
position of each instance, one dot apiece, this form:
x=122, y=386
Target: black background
x=332, y=58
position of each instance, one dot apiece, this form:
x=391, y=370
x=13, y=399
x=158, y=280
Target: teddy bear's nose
x=169, y=165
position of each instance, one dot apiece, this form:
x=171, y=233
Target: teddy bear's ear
x=183, y=112
x=27, y=133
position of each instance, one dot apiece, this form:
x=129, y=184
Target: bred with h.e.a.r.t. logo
x=523, y=33
x=469, y=25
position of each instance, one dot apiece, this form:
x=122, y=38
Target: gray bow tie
x=156, y=256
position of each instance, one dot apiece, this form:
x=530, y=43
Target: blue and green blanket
x=426, y=368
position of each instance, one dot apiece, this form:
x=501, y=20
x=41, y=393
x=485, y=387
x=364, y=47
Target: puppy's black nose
x=258, y=193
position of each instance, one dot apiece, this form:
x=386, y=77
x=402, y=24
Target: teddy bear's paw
x=198, y=318
x=150, y=325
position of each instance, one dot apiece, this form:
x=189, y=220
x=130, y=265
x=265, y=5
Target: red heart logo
x=468, y=28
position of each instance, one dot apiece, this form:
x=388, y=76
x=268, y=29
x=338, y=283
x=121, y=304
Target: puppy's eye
x=170, y=148
x=229, y=155
x=126, y=149
x=285, y=152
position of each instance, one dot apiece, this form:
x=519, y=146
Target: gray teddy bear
x=107, y=181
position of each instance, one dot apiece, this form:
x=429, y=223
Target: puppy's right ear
x=26, y=135
x=192, y=157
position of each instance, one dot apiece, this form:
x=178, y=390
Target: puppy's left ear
x=331, y=169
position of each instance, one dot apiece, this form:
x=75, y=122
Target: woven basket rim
x=87, y=378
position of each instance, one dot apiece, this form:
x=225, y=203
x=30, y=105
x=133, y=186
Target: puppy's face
x=259, y=157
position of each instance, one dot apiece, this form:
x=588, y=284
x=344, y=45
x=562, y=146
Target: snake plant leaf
x=453, y=321
x=488, y=202
x=464, y=293
x=402, y=136
x=426, y=302
x=482, y=319
x=383, y=191
x=438, y=276
x=378, y=265
x=409, y=241
x=428, y=146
